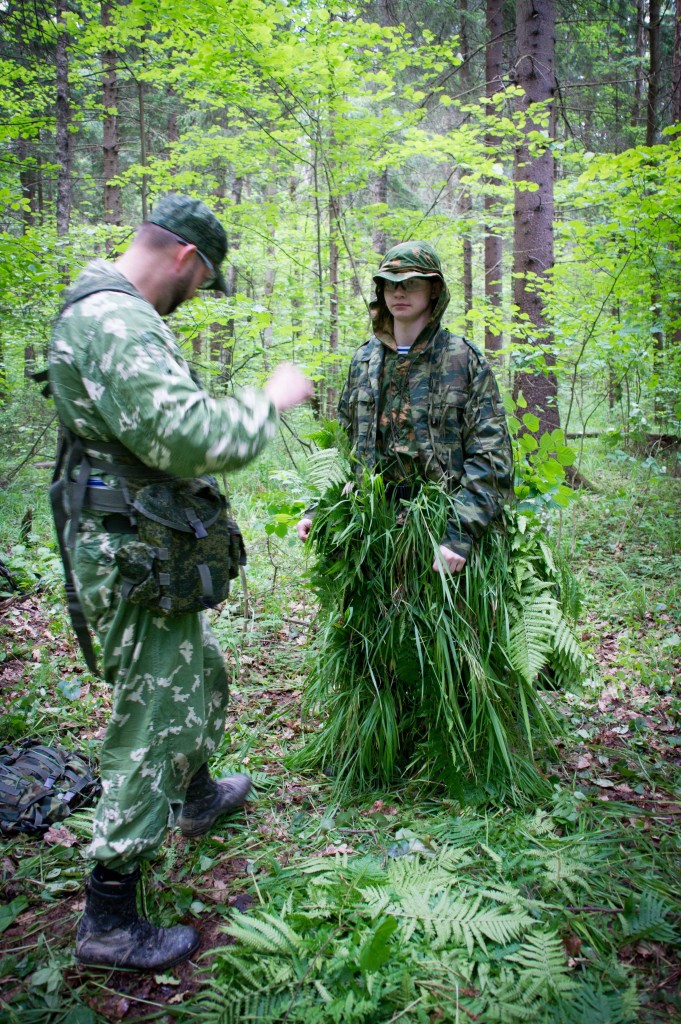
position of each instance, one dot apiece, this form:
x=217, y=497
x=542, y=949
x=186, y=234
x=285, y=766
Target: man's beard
x=179, y=290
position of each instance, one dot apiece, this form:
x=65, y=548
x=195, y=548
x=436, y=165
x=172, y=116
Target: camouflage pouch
x=41, y=785
x=187, y=550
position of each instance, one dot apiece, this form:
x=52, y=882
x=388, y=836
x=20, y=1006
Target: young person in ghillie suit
x=422, y=404
x=118, y=377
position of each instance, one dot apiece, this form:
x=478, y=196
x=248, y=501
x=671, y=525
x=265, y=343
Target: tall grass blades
x=430, y=672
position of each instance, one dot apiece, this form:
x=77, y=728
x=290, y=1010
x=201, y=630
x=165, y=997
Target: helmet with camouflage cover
x=406, y=260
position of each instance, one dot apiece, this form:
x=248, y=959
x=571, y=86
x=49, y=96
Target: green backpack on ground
x=40, y=786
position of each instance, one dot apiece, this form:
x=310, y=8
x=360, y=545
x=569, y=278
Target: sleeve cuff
x=458, y=542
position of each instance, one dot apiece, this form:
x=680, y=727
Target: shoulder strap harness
x=76, y=459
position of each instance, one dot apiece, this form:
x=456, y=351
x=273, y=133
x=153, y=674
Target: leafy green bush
x=31, y=568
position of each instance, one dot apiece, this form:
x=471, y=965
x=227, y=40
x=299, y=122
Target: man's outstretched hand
x=448, y=560
x=287, y=387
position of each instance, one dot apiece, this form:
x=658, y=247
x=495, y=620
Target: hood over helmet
x=411, y=259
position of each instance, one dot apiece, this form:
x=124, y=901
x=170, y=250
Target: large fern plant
x=423, y=671
x=416, y=937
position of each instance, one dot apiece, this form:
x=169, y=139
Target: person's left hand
x=452, y=561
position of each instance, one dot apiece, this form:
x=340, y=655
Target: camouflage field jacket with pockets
x=455, y=420
x=117, y=374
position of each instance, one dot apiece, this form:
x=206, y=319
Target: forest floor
x=596, y=866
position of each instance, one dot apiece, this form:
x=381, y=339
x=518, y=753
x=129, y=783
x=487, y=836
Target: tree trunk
x=197, y=348
x=334, y=213
x=62, y=118
x=113, y=210
x=533, y=210
x=652, y=117
x=380, y=195
x=29, y=360
x=39, y=187
x=640, y=54
x=143, y=144
x=465, y=202
x=216, y=330
x=232, y=272
x=676, y=66
x=29, y=182
x=172, y=130
x=494, y=55
x=386, y=13
x=270, y=274
x=380, y=185
x=657, y=332
x=465, y=210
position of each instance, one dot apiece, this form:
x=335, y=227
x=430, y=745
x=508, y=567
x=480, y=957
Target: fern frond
x=462, y=920
x=503, y=1002
x=264, y=934
x=509, y=896
x=548, y=556
x=541, y=824
x=545, y=970
x=564, y=871
x=236, y=1007
x=591, y=1004
x=376, y=900
x=240, y=969
x=326, y=468
x=533, y=623
x=648, y=921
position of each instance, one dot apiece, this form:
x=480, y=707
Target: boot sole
x=119, y=966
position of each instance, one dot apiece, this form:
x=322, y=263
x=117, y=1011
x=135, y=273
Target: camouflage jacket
x=117, y=374
x=452, y=422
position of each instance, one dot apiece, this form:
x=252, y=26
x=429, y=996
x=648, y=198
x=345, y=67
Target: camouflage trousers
x=170, y=693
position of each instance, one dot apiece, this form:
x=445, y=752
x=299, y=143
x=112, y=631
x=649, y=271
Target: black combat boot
x=112, y=934
x=208, y=799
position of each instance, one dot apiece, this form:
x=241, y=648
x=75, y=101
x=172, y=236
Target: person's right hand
x=303, y=528
x=287, y=387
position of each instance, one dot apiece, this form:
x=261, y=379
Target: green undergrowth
x=450, y=914
x=401, y=904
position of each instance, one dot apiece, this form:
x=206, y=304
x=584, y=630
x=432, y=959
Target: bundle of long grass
x=440, y=673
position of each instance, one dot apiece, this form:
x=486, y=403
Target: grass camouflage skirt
x=440, y=675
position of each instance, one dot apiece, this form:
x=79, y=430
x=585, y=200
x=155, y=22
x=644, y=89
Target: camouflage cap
x=194, y=223
x=409, y=259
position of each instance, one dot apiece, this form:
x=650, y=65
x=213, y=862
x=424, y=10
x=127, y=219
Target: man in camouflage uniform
x=422, y=404
x=118, y=378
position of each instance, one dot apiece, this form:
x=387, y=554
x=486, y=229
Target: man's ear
x=184, y=256
x=435, y=290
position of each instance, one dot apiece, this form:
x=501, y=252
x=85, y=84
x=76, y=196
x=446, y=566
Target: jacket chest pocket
x=446, y=416
x=361, y=415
